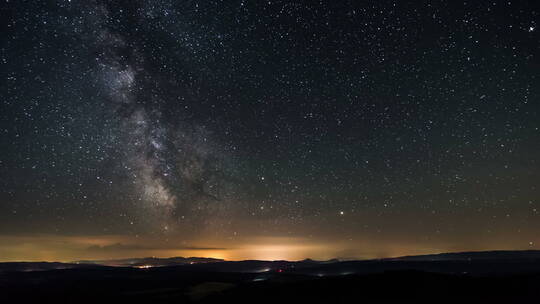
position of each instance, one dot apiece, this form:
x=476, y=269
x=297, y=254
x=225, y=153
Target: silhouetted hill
x=42, y=266
x=462, y=262
x=474, y=255
x=151, y=261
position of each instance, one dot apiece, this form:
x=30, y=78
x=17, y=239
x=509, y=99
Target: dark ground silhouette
x=463, y=278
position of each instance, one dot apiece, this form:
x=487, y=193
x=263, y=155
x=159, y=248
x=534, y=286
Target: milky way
x=176, y=168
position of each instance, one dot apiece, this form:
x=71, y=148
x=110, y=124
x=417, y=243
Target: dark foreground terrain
x=496, y=277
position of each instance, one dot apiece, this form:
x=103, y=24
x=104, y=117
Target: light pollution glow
x=73, y=248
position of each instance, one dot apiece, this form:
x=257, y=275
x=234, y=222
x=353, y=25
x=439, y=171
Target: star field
x=370, y=129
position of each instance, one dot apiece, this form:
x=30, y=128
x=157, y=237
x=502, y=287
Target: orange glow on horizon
x=75, y=248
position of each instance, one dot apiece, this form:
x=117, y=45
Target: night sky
x=268, y=129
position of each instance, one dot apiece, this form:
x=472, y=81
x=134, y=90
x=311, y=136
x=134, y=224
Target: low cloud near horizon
x=120, y=247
